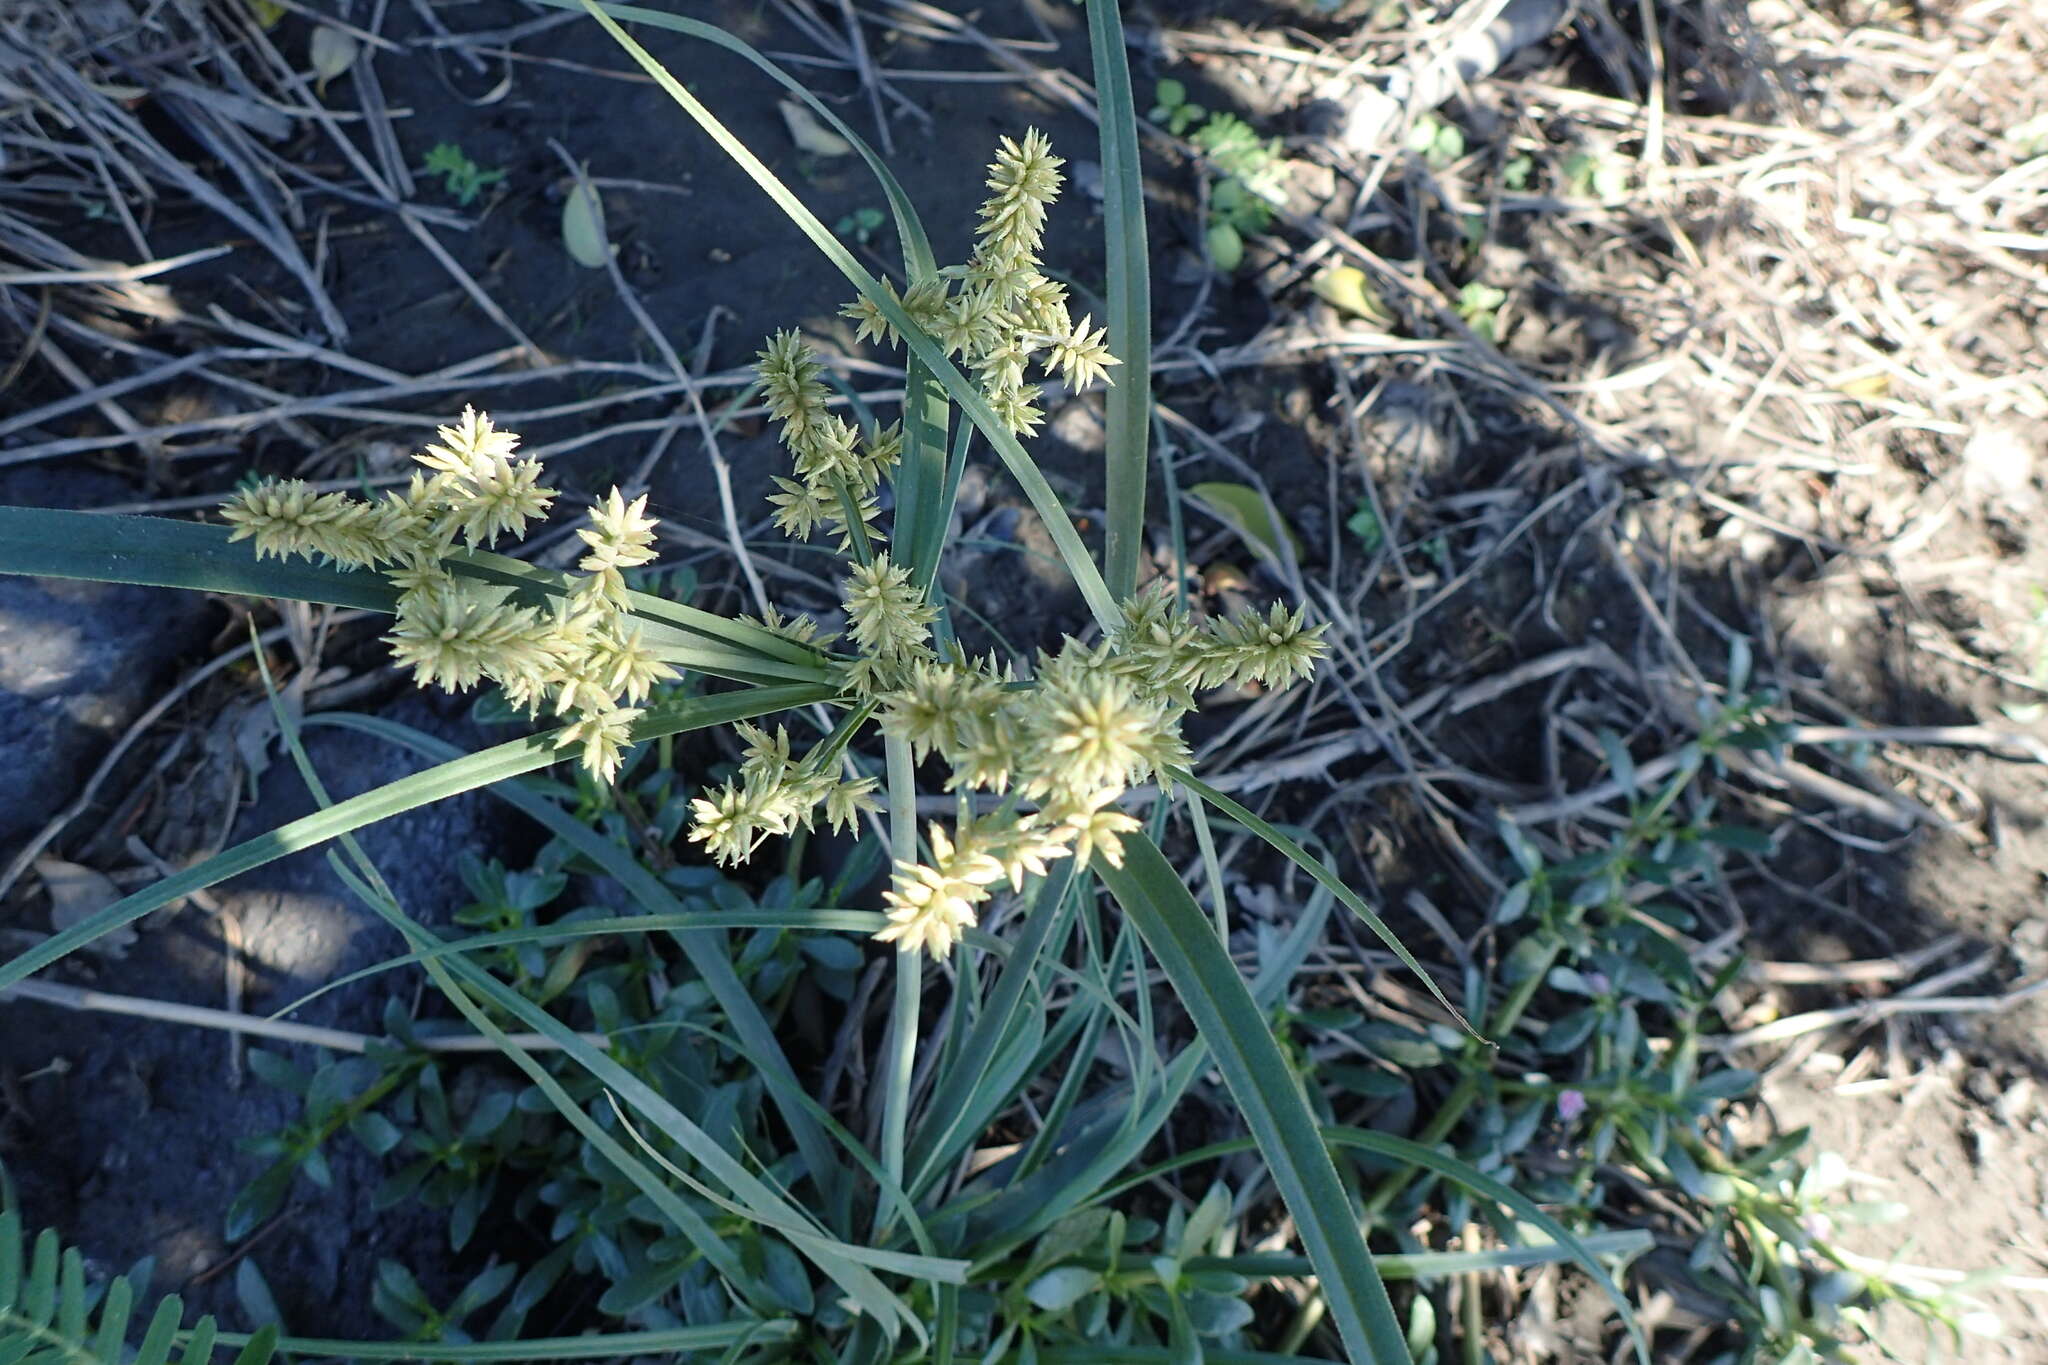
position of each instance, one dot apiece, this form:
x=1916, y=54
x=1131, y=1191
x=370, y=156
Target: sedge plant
x=775, y=1223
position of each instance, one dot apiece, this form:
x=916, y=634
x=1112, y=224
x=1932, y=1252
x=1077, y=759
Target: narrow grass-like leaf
x=1301, y=858
x=448, y=779
x=687, y=1221
x=920, y=480
x=1162, y=1355
x=676, y=622
x=842, y=1263
x=1195, y=961
x=909, y=228
x=1428, y=1265
x=1128, y=409
x=945, y=1131
x=705, y=948
x=158, y=552
x=966, y=395
x=937, y=1270
x=891, y=1194
x=847, y=1264
x=822, y=920
x=1486, y=1187
x=1033, y=1204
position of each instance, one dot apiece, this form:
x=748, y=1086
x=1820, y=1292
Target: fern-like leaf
x=50, y=1315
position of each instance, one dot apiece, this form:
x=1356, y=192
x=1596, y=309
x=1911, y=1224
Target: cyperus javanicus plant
x=1060, y=749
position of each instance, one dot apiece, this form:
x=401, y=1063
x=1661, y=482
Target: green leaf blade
x=157, y=552
x=1195, y=961
x=1128, y=411
x=481, y=769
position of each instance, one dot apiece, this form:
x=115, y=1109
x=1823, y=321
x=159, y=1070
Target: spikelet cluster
x=1095, y=721
x=837, y=468
x=1064, y=747
x=775, y=794
x=585, y=659
x=1059, y=749
x=1160, y=646
x=998, y=314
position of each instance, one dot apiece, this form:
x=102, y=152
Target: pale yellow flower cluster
x=1059, y=750
x=775, y=794
x=1095, y=721
x=998, y=313
x=838, y=470
x=584, y=658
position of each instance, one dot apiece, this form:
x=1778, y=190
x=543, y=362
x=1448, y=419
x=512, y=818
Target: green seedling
x=461, y=178
x=1437, y=141
x=1247, y=176
x=1174, y=109
x=1364, y=523
x=861, y=225
x=1591, y=176
x=1479, y=305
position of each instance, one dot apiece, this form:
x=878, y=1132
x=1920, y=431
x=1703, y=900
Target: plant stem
x=1128, y=303
x=902, y=1059
x=909, y=971
x=1467, y=1089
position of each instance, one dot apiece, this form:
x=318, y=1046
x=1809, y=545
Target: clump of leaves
x=1596, y=175
x=1174, y=109
x=1479, y=305
x=1604, y=1021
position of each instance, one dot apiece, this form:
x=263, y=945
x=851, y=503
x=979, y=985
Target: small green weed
x=1603, y=1022
x=1593, y=175
x=1436, y=140
x=461, y=178
x=1364, y=523
x=1250, y=175
x=1479, y=305
x=862, y=224
x=1174, y=109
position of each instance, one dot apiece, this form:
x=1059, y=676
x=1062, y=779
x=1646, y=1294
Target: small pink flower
x=1570, y=1104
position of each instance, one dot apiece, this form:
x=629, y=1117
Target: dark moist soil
x=123, y=1133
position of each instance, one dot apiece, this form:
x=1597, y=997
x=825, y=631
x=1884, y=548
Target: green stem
x=909, y=972
x=1467, y=1090
x=1128, y=303
x=902, y=1059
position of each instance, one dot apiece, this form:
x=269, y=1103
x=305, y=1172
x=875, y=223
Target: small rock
x=1310, y=187
x=2016, y=1103
x=1998, y=466
x=1982, y=1087
x=78, y=893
